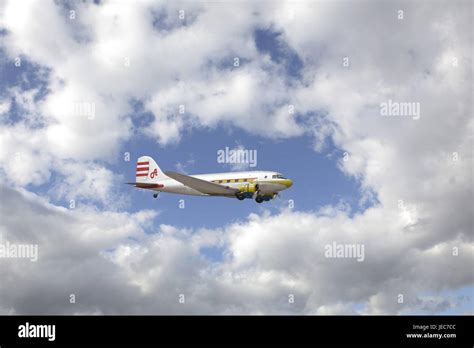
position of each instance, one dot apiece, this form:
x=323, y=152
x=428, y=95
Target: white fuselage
x=230, y=179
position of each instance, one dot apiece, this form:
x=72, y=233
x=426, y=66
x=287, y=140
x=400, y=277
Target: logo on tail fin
x=154, y=173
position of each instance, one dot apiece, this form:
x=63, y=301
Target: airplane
x=258, y=185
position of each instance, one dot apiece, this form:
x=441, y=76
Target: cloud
x=91, y=182
x=97, y=66
x=81, y=233
x=4, y=106
x=110, y=68
x=266, y=259
x=21, y=155
x=248, y=97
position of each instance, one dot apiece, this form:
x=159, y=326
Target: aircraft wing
x=202, y=186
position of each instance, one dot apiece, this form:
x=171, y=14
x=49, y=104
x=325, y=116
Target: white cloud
x=4, y=106
x=248, y=97
x=266, y=259
x=81, y=233
x=89, y=182
x=21, y=155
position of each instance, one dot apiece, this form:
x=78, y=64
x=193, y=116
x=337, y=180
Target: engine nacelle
x=252, y=188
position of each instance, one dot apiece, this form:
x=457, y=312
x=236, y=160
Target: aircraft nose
x=289, y=183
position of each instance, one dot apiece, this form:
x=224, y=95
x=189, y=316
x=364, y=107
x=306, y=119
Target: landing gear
x=240, y=196
x=258, y=199
x=155, y=195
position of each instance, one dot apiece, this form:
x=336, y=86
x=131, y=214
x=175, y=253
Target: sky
x=88, y=87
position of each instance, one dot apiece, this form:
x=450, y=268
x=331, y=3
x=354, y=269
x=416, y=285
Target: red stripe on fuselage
x=144, y=169
x=144, y=185
x=144, y=174
x=141, y=163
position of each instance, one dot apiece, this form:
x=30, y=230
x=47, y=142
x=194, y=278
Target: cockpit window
x=274, y=176
x=279, y=176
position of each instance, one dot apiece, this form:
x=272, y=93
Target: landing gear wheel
x=155, y=195
x=259, y=199
x=240, y=197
